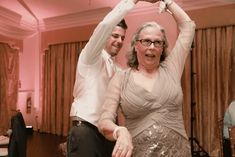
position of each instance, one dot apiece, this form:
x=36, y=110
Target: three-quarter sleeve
x=112, y=98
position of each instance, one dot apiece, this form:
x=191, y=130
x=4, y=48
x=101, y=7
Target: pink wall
x=66, y=35
x=29, y=79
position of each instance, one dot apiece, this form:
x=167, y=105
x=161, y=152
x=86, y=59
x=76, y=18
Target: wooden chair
x=232, y=139
x=16, y=144
x=221, y=125
x=4, y=142
x=18, y=139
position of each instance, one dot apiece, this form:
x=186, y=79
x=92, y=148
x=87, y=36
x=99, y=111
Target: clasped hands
x=150, y=1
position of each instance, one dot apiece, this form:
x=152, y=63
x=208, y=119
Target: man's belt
x=85, y=123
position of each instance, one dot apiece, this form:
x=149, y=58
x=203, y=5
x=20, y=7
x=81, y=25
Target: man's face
x=115, y=41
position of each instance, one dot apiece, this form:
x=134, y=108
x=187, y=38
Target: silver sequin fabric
x=160, y=141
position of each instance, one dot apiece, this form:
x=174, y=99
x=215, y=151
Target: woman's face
x=149, y=48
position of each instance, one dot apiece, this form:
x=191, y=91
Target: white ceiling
x=46, y=14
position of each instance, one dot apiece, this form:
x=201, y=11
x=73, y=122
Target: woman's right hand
x=123, y=146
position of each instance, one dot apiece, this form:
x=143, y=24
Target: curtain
x=9, y=79
x=213, y=72
x=59, y=67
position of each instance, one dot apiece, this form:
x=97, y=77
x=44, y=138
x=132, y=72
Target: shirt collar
x=106, y=55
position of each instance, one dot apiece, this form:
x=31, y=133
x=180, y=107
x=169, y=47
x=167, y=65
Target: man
x=229, y=120
x=95, y=68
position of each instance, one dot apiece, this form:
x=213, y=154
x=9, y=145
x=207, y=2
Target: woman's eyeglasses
x=147, y=42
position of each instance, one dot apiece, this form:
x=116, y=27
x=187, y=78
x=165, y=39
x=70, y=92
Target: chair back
x=232, y=139
x=18, y=138
x=4, y=142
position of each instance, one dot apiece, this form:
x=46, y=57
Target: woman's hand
x=151, y=1
x=123, y=146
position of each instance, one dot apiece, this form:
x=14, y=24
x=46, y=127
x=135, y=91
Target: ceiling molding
x=11, y=18
x=201, y=4
x=12, y=25
x=15, y=32
x=74, y=20
x=185, y=4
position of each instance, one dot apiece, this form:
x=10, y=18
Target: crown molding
x=11, y=18
x=12, y=25
x=153, y=9
x=15, y=32
x=74, y=20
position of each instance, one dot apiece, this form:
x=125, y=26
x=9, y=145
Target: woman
x=150, y=93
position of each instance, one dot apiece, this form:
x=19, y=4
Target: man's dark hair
x=122, y=24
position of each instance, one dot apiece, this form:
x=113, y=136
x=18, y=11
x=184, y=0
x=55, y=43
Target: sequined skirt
x=160, y=141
